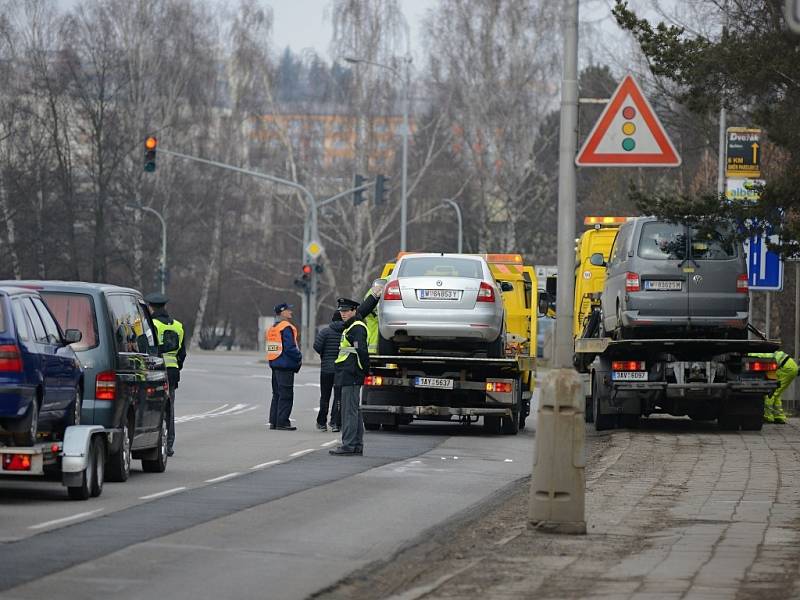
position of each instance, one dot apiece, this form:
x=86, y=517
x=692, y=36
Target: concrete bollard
x=558, y=482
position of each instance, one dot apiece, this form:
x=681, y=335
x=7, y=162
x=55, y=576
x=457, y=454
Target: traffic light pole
x=309, y=233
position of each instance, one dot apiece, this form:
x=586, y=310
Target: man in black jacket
x=326, y=345
x=351, y=364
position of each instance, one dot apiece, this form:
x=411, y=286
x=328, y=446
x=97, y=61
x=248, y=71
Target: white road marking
x=164, y=493
x=331, y=443
x=224, y=410
x=509, y=460
x=222, y=477
x=264, y=465
x=301, y=452
x=260, y=376
x=191, y=370
x=65, y=519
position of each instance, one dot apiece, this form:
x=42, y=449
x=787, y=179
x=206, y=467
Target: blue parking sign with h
x=764, y=267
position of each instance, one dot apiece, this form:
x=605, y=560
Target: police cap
x=279, y=308
x=156, y=298
x=346, y=304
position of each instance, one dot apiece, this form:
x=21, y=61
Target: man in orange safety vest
x=284, y=359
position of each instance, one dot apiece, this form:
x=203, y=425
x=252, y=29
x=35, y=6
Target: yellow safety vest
x=275, y=339
x=346, y=348
x=371, y=321
x=170, y=358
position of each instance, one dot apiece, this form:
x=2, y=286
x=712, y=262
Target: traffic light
x=380, y=189
x=304, y=281
x=358, y=195
x=150, y=145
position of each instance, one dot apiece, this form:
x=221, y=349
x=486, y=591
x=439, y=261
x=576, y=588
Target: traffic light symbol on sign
x=150, y=145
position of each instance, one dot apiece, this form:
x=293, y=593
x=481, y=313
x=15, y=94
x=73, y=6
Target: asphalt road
x=245, y=512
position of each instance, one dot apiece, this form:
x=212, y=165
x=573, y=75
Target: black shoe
x=342, y=451
x=359, y=451
x=335, y=428
x=271, y=426
x=170, y=452
x=322, y=427
x=286, y=427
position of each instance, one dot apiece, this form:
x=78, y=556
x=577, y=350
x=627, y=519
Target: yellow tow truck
x=497, y=389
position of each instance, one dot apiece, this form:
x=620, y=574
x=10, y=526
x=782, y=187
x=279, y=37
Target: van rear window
x=662, y=241
x=440, y=266
x=74, y=311
x=713, y=245
x=2, y=315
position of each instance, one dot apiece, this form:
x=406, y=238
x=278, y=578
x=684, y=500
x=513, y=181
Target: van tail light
x=105, y=386
x=392, y=291
x=485, y=293
x=760, y=365
x=741, y=283
x=373, y=380
x=632, y=282
x=10, y=359
x=628, y=365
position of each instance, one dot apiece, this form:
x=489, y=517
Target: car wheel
x=99, y=467
x=601, y=421
x=386, y=347
x=510, y=425
x=119, y=464
x=74, y=416
x=159, y=463
x=30, y=426
x=497, y=348
x=84, y=490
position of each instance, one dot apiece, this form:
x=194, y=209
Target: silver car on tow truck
x=435, y=301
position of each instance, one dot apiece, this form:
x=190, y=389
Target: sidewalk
x=674, y=510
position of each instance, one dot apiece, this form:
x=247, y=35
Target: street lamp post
x=460, y=223
x=163, y=274
x=406, y=100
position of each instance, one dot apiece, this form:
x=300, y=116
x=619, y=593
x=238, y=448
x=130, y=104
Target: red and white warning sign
x=628, y=134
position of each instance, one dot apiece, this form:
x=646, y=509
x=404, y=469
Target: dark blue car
x=40, y=376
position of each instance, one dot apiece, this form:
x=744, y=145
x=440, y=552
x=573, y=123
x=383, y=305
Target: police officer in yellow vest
x=351, y=367
x=284, y=359
x=172, y=360
x=787, y=371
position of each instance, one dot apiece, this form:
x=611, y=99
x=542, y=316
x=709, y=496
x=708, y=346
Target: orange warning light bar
x=605, y=220
x=513, y=259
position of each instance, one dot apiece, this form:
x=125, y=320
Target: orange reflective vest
x=275, y=339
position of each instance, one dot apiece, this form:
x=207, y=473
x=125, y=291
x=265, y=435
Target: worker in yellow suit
x=787, y=371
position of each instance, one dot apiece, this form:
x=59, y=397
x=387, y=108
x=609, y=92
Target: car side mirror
x=170, y=342
x=597, y=260
x=72, y=336
x=506, y=286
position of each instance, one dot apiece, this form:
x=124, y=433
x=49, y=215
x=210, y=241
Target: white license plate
x=433, y=382
x=439, y=294
x=665, y=285
x=629, y=375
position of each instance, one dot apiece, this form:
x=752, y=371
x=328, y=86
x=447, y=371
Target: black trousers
x=325, y=387
x=282, y=397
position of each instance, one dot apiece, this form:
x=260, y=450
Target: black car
x=125, y=381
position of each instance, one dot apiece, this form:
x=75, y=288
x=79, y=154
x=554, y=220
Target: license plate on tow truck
x=629, y=375
x=433, y=382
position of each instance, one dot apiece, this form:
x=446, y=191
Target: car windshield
x=713, y=244
x=74, y=311
x=662, y=241
x=440, y=266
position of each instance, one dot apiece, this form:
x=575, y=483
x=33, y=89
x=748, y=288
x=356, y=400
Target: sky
x=301, y=24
